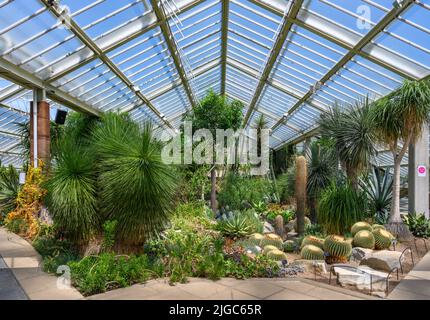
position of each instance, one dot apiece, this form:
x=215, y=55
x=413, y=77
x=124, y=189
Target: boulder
x=384, y=260
x=253, y=249
x=268, y=228
x=360, y=278
x=289, y=226
x=310, y=265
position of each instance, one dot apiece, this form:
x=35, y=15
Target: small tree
x=215, y=112
x=400, y=117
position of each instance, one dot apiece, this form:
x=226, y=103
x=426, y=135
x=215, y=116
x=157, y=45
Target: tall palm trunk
x=395, y=201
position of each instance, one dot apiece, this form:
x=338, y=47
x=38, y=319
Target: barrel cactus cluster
x=313, y=240
x=277, y=255
x=272, y=239
x=255, y=239
x=371, y=236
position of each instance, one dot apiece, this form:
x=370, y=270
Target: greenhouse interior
x=214, y=150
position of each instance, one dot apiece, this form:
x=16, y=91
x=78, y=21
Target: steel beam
x=276, y=49
x=28, y=80
x=311, y=133
x=89, y=43
x=173, y=49
x=366, y=39
x=224, y=39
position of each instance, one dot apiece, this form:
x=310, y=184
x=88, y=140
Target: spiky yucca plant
x=136, y=187
x=9, y=187
x=72, y=191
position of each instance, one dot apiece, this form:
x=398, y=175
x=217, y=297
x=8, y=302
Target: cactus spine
x=360, y=226
x=272, y=239
x=382, y=239
x=338, y=248
x=277, y=255
x=364, y=239
x=311, y=252
x=313, y=241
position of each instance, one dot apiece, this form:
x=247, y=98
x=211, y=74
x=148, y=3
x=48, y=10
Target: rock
x=253, y=249
x=384, y=260
x=268, y=228
x=310, y=265
x=360, y=278
x=292, y=235
x=279, y=226
x=289, y=226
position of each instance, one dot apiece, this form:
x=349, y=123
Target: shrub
x=240, y=192
x=9, y=187
x=340, y=207
x=418, y=224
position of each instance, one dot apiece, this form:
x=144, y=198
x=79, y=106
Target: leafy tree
x=400, y=117
x=215, y=112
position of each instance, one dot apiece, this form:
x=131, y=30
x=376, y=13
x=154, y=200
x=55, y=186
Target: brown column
x=31, y=135
x=43, y=133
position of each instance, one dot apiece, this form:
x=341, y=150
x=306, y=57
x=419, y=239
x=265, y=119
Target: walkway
x=232, y=289
x=416, y=285
x=22, y=276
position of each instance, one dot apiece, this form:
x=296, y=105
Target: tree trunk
x=395, y=201
x=213, y=190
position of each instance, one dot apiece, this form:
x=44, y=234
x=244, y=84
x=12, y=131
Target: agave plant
x=9, y=187
x=240, y=224
x=378, y=186
x=136, y=188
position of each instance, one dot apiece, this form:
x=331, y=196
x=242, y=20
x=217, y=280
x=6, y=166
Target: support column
x=43, y=132
x=418, y=183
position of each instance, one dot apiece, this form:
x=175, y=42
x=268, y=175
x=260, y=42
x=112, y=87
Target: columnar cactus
x=272, y=239
x=279, y=225
x=338, y=248
x=364, y=239
x=311, y=252
x=277, y=255
x=360, y=226
x=383, y=239
x=300, y=186
x=314, y=241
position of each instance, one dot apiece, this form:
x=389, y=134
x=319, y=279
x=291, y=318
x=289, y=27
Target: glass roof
x=288, y=60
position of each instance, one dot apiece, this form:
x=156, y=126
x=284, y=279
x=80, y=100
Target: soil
x=419, y=248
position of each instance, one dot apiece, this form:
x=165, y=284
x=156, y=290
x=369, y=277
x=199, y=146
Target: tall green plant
x=72, y=191
x=400, y=117
x=340, y=207
x=9, y=187
x=352, y=130
x=136, y=188
x=378, y=187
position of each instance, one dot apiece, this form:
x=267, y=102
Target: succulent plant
x=255, y=238
x=289, y=246
x=383, y=239
x=311, y=252
x=277, y=255
x=269, y=248
x=272, y=239
x=377, y=226
x=307, y=223
x=338, y=248
x=314, y=241
x=358, y=226
x=364, y=239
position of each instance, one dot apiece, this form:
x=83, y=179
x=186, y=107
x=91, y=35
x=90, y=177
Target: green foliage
x=109, y=230
x=195, y=183
x=136, y=188
x=9, y=188
x=260, y=207
x=361, y=225
x=311, y=252
x=239, y=192
x=340, y=207
x=54, y=252
x=337, y=246
x=18, y=226
x=351, y=129
x=241, y=224
x=418, y=224
x=72, y=191
x=96, y=274
x=286, y=184
x=286, y=214
x=383, y=239
x=314, y=230
x=364, y=239
x=378, y=186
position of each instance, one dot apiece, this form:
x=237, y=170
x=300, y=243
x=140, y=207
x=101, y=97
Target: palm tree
x=400, y=117
x=352, y=132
